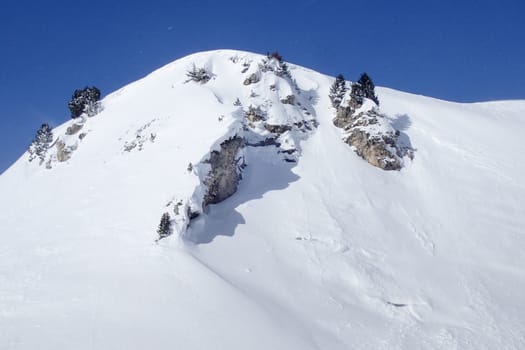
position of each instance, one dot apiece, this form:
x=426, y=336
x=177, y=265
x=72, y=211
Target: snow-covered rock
x=371, y=134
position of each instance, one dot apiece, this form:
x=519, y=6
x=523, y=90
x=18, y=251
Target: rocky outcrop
x=343, y=117
x=224, y=176
x=63, y=151
x=371, y=134
x=271, y=112
x=277, y=129
x=378, y=150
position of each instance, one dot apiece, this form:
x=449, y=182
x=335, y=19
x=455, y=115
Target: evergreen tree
x=337, y=91
x=368, y=87
x=41, y=143
x=164, y=226
x=357, y=93
x=85, y=100
x=275, y=55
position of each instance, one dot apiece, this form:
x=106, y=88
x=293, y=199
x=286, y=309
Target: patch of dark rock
x=224, y=176
x=277, y=129
x=290, y=100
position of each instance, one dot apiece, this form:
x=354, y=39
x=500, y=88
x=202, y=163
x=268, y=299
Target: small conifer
x=368, y=88
x=164, y=229
x=41, y=143
x=337, y=91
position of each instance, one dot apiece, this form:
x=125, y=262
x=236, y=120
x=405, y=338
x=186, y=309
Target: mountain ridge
x=324, y=252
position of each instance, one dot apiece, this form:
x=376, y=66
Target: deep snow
x=325, y=253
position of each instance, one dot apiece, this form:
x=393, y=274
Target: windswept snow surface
x=325, y=253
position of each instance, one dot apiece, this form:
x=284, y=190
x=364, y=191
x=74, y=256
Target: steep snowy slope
x=327, y=252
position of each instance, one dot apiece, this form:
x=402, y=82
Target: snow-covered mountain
x=308, y=246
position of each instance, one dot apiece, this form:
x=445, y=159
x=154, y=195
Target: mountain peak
x=285, y=230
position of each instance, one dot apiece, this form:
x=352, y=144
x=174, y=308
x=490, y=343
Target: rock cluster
x=64, y=151
x=371, y=134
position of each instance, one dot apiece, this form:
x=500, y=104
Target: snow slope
x=325, y=253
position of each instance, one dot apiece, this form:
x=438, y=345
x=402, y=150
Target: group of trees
x=363, y=88
x=86, y=100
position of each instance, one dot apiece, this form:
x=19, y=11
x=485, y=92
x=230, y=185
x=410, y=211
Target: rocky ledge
x=371, y=134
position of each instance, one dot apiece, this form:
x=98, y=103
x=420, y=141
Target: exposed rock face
x=63, y=152
x=277, y=129
x=374, y=139
x=343, y=117
x=224, y=176
x=376, y=150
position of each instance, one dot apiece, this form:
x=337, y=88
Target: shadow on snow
x=258, y=178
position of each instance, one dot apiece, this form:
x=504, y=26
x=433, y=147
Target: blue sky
x=457, y=50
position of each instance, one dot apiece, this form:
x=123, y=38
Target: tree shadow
x=307, y=99
x=401, y=123
x=262, y=176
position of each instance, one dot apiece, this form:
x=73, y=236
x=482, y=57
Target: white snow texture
x=322, y=251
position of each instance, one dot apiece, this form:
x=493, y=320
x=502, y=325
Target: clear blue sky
x=456, y=50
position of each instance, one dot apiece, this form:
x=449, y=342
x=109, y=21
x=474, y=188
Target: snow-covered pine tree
x=164, y=229
x=41, y=142
x=337, y=91
x=356, y=94
x=85, y=100
x=368, y=88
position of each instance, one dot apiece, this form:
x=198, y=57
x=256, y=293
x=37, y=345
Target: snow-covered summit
x=313, y=248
